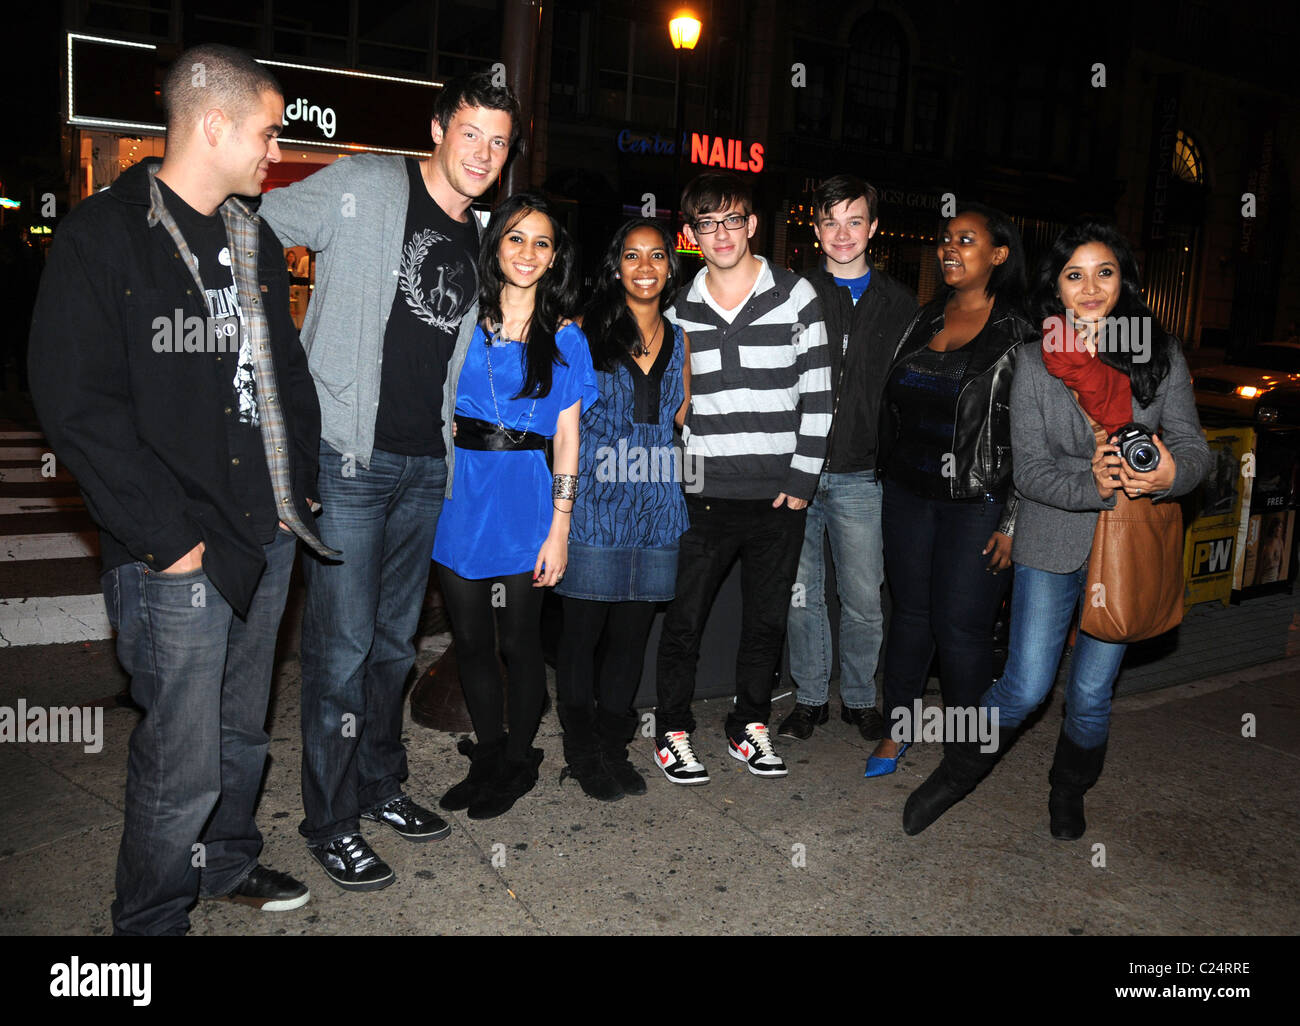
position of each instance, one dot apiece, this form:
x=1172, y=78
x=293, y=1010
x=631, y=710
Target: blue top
x=501, y=510
x=629, y=477
x=856, y=286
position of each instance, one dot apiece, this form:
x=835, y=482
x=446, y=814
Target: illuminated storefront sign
x=708, y=150
x=112, y=85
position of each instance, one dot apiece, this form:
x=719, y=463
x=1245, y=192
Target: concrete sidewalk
x=1198, y=825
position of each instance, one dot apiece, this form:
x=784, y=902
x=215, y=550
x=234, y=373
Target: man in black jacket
x=168, y=376
x=866, y=312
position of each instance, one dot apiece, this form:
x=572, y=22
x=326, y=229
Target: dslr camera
x=1137, y=448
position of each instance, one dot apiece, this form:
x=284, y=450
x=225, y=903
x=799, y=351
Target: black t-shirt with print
x=250, y=478
x=436, y=285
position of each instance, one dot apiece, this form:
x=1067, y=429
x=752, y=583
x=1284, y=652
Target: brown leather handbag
x=1135, y=569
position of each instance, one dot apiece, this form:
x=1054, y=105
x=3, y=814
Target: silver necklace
x=496, y=339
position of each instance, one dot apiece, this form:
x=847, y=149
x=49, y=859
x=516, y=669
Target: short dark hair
x=713, y=191
x=1045, y=302
x=1007, y=279
x=212, y=75
x=477, y=90
x=839, y=188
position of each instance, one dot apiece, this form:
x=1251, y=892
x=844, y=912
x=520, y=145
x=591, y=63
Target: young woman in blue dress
x=630, y=508
x=522, y=377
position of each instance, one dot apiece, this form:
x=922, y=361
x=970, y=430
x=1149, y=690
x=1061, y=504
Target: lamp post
x=684, y=31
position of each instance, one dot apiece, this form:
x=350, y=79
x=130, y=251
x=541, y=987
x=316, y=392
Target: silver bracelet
x=565, y=486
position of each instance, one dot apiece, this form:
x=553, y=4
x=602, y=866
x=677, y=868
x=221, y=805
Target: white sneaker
x=676, y=757
x=754, y=749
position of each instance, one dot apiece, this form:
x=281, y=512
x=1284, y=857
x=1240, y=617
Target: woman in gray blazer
x=1064, y=479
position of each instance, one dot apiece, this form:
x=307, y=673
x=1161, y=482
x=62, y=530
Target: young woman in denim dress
x=630, y=510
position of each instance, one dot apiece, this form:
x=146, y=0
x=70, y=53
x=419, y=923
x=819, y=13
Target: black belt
x=484, y=436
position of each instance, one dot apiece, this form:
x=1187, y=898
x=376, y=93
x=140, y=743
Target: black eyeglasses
x=707, y=225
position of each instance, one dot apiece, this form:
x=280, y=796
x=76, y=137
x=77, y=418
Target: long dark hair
x=1144, y=376
x=556, y=296
x=1006, y=282
x=608, y=321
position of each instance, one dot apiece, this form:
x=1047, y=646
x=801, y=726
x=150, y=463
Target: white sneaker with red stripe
x=754, y=749
x=676, y=757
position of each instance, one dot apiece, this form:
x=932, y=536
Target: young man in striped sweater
x=759, y=413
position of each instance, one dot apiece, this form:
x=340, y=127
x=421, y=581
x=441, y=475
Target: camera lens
x=1143, y=456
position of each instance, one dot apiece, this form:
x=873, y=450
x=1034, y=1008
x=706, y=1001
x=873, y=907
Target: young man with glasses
x=866, y=313
x=759, y=413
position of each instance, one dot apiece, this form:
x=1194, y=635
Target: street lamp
x=684, y=31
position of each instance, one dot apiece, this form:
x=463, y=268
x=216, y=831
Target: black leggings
x=518, y=608
x=624, y=626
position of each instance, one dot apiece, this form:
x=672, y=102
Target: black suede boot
x=1074, y=771
x=513, y=780
x=582, y=753
x=963, y=766
x=484, y=761
x=612, y=734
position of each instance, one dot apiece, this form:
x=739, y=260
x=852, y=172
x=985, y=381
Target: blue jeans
x=1042, y=608
x=944, y=597
x=203, y=677
x=847, y=506
x=358, y=632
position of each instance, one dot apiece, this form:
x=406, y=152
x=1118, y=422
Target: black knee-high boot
x=1074, y=771
x=963, y=766
x=612, y=733
x=582, y=752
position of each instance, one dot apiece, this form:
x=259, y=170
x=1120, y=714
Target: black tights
x=518, y=608
x=624, y=627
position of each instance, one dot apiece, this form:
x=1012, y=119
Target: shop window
x=813, y=104
x=312, y=30
x=133, y=17
x=469, y=33
x=213, y=21
x=1187, y=159
x=395, y=37
x=874, y=86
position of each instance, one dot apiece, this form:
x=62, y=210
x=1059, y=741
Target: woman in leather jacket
x=945, y=456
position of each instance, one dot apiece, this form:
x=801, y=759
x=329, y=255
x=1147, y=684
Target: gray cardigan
x=1053, y=444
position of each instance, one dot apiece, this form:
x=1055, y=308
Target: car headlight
x=1266, y=415
x=1249, y=391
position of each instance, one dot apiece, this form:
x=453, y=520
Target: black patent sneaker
x=870, y=724
x=414, y=822
x=352, y=864
x=269, y=891
x=800, y=723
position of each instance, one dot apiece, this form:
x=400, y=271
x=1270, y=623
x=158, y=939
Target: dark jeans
x=942, y=595
x=358, y=632
x=195, y=762
x=481, y=611
x=768, y=542
x=602, y=652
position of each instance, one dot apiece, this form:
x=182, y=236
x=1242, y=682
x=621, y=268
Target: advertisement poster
x=1212, y=541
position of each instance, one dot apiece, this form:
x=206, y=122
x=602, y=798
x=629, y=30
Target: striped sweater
x=760, y=388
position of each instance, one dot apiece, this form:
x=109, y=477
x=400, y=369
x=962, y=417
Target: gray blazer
x=1053, y=445
x=467, y=325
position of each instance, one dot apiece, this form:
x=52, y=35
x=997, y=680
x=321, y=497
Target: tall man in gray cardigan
x=397, y=249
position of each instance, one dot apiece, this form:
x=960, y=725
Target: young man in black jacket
x=866, y=312
x=168, y=376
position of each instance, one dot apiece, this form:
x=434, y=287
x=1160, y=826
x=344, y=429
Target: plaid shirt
x=242, y=234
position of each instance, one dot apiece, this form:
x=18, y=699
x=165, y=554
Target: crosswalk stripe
x=22, y=452
x=28, y=475
x=53, y=621
x=48, y=546
x=55, y=504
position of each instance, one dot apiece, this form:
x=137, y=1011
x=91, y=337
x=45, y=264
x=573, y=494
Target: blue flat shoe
x=880, y=767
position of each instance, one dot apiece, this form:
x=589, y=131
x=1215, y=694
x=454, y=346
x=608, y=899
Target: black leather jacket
x=982, y=431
